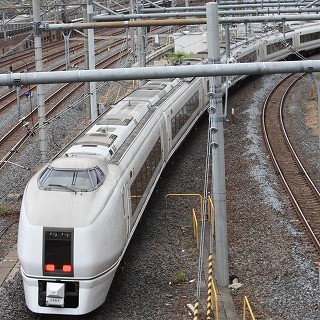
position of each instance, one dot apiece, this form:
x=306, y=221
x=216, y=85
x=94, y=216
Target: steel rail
x=303, y=219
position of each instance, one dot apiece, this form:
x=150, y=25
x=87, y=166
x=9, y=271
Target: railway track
x=9, y=100
x=21, y=61
x=15, y=137
x=303, y=194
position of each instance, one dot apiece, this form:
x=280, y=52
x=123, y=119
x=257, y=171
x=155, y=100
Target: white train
x=80, y=211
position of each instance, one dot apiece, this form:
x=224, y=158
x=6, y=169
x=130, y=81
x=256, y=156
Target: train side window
x=309, y=37
x=144, y=176
x=183, y=115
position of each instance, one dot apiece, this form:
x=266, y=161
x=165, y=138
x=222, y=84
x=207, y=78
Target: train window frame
x=142, y=180
x=278, y=46
x=308, y=37
x=95, y=182
x=184, y=114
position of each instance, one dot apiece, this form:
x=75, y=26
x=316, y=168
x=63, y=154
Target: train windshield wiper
x=62, y=186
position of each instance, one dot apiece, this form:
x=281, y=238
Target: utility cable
x=204, y=215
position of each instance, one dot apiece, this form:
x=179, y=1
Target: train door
x=126, y=211
x=164, y=141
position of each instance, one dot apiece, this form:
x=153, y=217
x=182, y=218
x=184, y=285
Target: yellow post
x=215, y=301
x=196, y=310
x=211, y=214
x=210, y=282
x=247, y=304
x=195, y=227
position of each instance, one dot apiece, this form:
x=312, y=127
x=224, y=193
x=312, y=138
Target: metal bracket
x=214, y=145
x=211, y=109
x=213, y=130
x=17, y=83
x=38, y=26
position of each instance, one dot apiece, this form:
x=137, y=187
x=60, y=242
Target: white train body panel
x=80, y=211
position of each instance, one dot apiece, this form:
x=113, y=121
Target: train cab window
x=71, y=180
x=96, y=176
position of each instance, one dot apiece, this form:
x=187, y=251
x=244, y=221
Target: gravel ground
x=266, y=248
x=267, y=252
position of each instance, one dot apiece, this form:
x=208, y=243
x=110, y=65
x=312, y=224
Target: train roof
x=122, y=123
x=75, y=163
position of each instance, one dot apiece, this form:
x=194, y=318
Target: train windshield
x=71, y=180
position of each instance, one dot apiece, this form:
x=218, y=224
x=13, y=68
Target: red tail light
x=49, y=267
x=66, y=268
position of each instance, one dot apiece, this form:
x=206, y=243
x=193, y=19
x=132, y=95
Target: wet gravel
x=267, y=251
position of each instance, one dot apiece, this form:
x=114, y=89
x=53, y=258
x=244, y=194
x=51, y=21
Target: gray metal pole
x=173, y=22
x=4, y=24
x=18, y=90
x=226, y=27
x=40, y=88
x=115, y=74
x=229, y=13
x=86, y=99
x=141, y=42
x=141, y=49
x=66, y=38
x=227, y=79
x=92, y=64
x=218, y=162
x=223, y=6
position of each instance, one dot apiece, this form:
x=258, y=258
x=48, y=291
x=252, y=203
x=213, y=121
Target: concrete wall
x=190, y=42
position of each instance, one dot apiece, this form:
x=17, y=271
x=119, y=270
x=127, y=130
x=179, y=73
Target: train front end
x=63, y=268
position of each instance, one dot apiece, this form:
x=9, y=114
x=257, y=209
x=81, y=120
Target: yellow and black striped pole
x=196, y=310
x=210, y=281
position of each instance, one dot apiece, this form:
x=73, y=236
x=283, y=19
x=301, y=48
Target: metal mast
x=218, y=161
x=40, y=87
x=91, y=63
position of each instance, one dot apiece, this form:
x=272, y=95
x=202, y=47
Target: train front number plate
x=55, y=302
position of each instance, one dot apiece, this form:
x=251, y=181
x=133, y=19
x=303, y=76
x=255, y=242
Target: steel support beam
x=207, y=70
x=226, y=7
x=171, y=22
x=123, y=17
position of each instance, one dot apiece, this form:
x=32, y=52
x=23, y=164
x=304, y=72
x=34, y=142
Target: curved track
x=303, y=193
